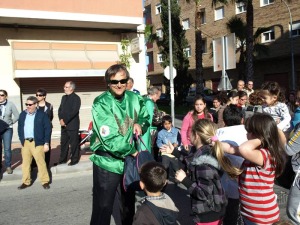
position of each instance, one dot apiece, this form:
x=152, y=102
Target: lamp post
x=171, y=63
x=292, y=47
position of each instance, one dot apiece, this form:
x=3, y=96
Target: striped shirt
x=257, y=197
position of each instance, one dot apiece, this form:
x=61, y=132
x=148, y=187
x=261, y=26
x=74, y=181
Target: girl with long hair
x=205, y=165
x=264, y=160
x=199, y=112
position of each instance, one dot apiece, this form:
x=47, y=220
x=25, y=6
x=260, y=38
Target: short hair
x=113, y=70
x=33, y=99
x=43, y=91
x=232, y=115
x=5, y=92
x=153, y=90
x=154, y=176
x=166, y=118
x=242, y=94
x=72, y=84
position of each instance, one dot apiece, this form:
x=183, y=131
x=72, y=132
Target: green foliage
x=126, y=55
x=179, y=43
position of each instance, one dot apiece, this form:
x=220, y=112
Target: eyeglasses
x=243, y=99
x=37, y=95
x=123, y=81
x=29, y=104
x=2, y=95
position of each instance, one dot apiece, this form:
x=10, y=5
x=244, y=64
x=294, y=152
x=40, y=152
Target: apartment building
x=267, y=13
x=46, y=43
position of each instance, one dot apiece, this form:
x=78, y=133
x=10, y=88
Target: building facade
x=274, y=14
x=43, y=44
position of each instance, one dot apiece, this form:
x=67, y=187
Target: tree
x=180, y=60
x=239, y=27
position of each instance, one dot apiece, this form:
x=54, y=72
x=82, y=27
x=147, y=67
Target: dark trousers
x=69, y=137
x=170, y=161
x=232, y=212
x=105, y=186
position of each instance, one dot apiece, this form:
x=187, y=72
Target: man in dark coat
x=68, y=114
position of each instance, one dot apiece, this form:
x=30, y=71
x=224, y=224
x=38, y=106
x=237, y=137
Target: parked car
x=164, y=99
x=207, y=94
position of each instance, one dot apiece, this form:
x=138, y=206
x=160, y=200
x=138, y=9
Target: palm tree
x=239, y=27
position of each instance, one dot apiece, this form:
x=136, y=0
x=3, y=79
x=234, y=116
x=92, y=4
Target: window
x=187, y=51
x=240, y=7
x=158, y=9
x=204, y=45
x=266, y=2
x=296, y=29
x=159, y=33
x=159, y=58
x=219, y=13
x=203, y=16
x=268, y=36
x=186, y=24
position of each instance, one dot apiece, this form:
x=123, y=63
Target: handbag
x=132, y=166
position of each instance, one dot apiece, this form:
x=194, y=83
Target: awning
x=62, y=59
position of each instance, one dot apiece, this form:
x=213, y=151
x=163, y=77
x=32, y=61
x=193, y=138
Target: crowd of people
x=228, y=156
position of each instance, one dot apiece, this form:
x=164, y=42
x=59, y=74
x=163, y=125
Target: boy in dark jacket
x=157, y=208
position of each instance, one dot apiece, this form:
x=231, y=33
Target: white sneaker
x=9, y=170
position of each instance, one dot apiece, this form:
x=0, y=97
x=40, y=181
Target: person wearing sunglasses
x=8, y=116
x=46, y=107
x=34, y=130
x=68, y=114
x=117, y=115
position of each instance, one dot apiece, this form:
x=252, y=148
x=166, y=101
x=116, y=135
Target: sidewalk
x=83, y=165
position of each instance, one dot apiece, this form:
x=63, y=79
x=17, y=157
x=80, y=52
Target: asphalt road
x=68, y=201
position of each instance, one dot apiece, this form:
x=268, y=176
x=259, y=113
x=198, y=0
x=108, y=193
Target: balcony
x=150, y=67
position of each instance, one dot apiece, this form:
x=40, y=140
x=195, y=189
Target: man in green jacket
x=117, y=115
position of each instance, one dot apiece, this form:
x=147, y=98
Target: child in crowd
x=231, y=98
x=157, y=208
x=233, y=119
x=274, y=104
x=264, y=160
x=214, y=110
x=166, y=135
x=200, y=112
x=205, y=170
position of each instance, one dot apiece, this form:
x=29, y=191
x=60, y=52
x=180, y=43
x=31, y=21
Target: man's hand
x=137, y=129
x=135, y=154
x=62, y=123
x=180, y=175
x=46, y=147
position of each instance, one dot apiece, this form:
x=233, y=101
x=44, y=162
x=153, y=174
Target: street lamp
x=292, y=47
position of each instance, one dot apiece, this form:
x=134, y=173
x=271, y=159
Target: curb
x=55, y=170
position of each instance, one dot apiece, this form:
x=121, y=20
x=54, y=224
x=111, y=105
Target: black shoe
x=60, y=162
x=72, y=163
x=23, y=186
x=46, y=186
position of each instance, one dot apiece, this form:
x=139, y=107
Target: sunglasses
x=123, y=81
x=39, y=95
x=29, y=104
x=2, y=95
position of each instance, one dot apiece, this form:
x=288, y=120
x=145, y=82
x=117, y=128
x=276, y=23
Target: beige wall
x=132, y=8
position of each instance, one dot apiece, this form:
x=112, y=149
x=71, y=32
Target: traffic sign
x=167, y=72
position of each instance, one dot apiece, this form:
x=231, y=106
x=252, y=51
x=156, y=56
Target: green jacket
x=113, y=122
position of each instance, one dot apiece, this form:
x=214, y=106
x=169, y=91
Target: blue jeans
x=6, y=138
